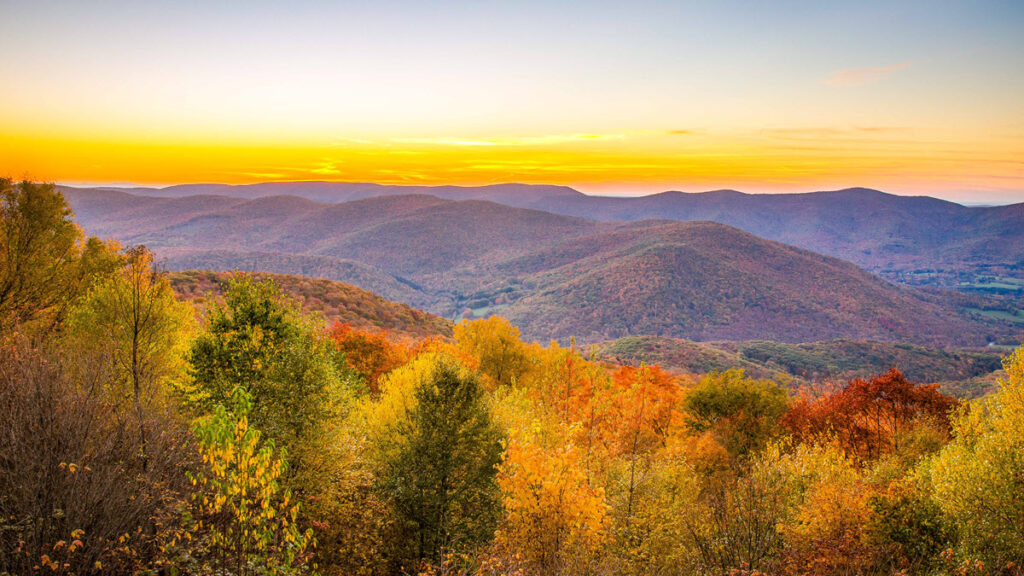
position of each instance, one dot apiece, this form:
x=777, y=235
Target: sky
x=608, y=97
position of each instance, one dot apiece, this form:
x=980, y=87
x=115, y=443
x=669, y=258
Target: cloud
x=821, y=133
x=513, y=141
x=862, y=76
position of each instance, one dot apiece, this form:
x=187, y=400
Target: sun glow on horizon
x=606, y=99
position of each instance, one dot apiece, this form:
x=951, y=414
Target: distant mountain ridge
x=554, y=275
x=917, y=240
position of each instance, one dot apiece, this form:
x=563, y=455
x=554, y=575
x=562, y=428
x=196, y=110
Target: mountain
x=334, y=301
x=556, y=276
x=964, y=372
x=913, y=240
x=520, y=195
x=714, y=282
x=920, y=240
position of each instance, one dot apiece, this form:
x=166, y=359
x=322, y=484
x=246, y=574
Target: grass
x=994, y=283
x=1017, y=316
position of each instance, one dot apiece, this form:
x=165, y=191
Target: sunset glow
x=605, y=98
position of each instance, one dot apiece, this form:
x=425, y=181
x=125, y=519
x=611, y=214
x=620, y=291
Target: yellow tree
x=46, y=263
x=978, y=478
x=133, y=320
x=495, y=344
x=554, y=519
x=245, y=522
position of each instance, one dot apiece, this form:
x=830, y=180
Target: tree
x=73, y=495
x=244, y=519
x=496, y=345
x=740, y=412
x=648, y=399
x=555, y=518
x=978, y=478
x=259, y=341
x=369, y=353
x=134, y=321
x=437, y=451
x=46, y=263
x=872, y=417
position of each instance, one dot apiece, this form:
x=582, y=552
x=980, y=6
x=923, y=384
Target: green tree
x=439, y=466
x=46, y=263
x=259, y=341
x=740, y=412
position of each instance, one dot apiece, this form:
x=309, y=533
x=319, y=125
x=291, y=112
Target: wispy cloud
x=326, y=169
x=820, y=133
x=862, y=76
x=513, y=141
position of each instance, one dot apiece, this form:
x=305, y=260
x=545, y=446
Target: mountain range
x=555, y=276
x=916, y=240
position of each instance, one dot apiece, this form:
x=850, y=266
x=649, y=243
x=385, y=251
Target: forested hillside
x=914, y=240
x=961, y=373
x=145, y=435
x=336, y=302
x=557, y=277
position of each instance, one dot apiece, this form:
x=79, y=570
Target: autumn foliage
x=257, y=441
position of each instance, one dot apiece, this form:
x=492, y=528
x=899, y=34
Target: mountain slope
x=556, y=276
x=709, y=281
x=915, y=240
x=335, y=301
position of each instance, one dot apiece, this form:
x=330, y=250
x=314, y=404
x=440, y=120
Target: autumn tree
x=647, y=412
x=73, y=497
x=978, y=478
x=244, y=520
x=46, y=263
x=371, y=354
x=740, y=413
x=437, y=450
x=133, y=321
x=872, y=417
x=496, y=345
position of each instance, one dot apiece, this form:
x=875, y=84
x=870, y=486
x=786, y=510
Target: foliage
x=486, y=456
x=437, y=449
x=336, y=302
x=370, y=354
x=133, y=321
x=46, y=263
x=495, y=344
x=873, y=417
x=259, y=341
x=978, y=478
x=739, y=412
x=555, y=517
x=75, y=497
x=244, y=520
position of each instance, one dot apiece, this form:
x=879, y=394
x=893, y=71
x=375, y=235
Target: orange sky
x=908, y=98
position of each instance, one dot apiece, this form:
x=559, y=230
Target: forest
x=237, y=435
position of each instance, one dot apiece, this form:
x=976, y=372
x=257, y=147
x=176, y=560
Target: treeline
x=139, y=438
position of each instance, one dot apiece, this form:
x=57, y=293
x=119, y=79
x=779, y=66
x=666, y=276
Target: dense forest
x=143, y=434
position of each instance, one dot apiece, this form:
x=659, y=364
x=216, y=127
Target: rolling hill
x=913, y=240
x=555, y=276
x=334, y=301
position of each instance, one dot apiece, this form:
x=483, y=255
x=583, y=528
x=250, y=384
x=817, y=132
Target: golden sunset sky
x=610, y=98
